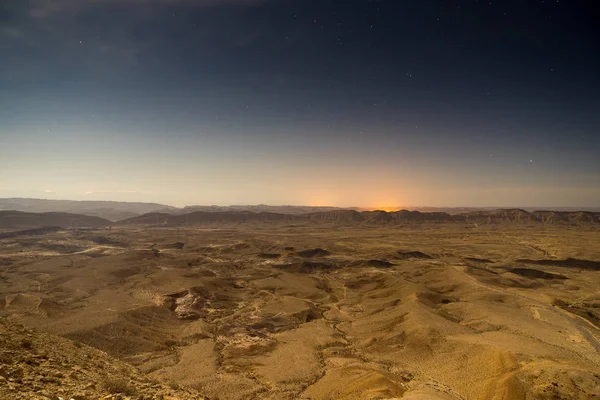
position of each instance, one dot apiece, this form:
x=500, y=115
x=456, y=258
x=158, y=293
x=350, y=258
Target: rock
x=239, y=284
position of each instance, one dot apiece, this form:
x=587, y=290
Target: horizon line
x=371, y=208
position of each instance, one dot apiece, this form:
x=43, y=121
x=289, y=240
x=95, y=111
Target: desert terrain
x=291, y=308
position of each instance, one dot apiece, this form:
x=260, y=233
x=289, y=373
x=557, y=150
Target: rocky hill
x=577, y=217
x=38, y=366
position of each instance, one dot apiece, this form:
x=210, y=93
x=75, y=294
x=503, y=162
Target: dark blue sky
x=369, y=103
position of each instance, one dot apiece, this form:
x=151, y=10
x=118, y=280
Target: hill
x=117, y=211
x=261, y=208
x=121, y=211
x=202, y=217
x=111, y=210
x=41, y=366
x=351, y=217
x=25, y=220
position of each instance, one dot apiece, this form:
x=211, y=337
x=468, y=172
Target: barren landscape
x=299, y=200
x=331, y=306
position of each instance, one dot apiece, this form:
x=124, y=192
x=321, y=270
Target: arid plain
x=286, y=310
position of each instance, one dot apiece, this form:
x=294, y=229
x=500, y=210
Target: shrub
x=118, y=385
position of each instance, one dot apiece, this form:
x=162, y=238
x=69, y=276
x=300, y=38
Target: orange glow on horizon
x=383, y=201
x=385, y=208
x=379, y=201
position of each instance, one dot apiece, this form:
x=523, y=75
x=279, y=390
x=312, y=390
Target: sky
x=312, y=102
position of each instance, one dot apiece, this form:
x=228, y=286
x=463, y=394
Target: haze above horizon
x=292, y=102
x=46, y=205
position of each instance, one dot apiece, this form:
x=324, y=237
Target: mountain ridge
x=13, y=220
x=111, y=210
x=371, y=217
x=118, y=211
x=26, y=220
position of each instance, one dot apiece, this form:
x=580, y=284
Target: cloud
x=48, y=191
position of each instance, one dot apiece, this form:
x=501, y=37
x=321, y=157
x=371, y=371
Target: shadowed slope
x=24, y=220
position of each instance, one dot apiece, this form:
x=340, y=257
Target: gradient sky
x=319, y=102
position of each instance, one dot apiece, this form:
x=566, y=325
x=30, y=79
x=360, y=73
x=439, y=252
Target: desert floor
x=434, y=311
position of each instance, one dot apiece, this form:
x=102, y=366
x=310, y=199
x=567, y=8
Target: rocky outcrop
x=339, y=216
x=36, y=365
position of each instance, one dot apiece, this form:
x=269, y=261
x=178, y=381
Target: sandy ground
x=266, y=311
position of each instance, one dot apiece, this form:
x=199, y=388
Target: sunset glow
x=346, y=103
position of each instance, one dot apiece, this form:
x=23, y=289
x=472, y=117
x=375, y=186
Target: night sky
x=346, y=102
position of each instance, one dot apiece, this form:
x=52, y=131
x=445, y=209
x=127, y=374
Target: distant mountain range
x=118, y=211
x=11, y=220
x=111, y=210
x=25, y=220
x=368, y=217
